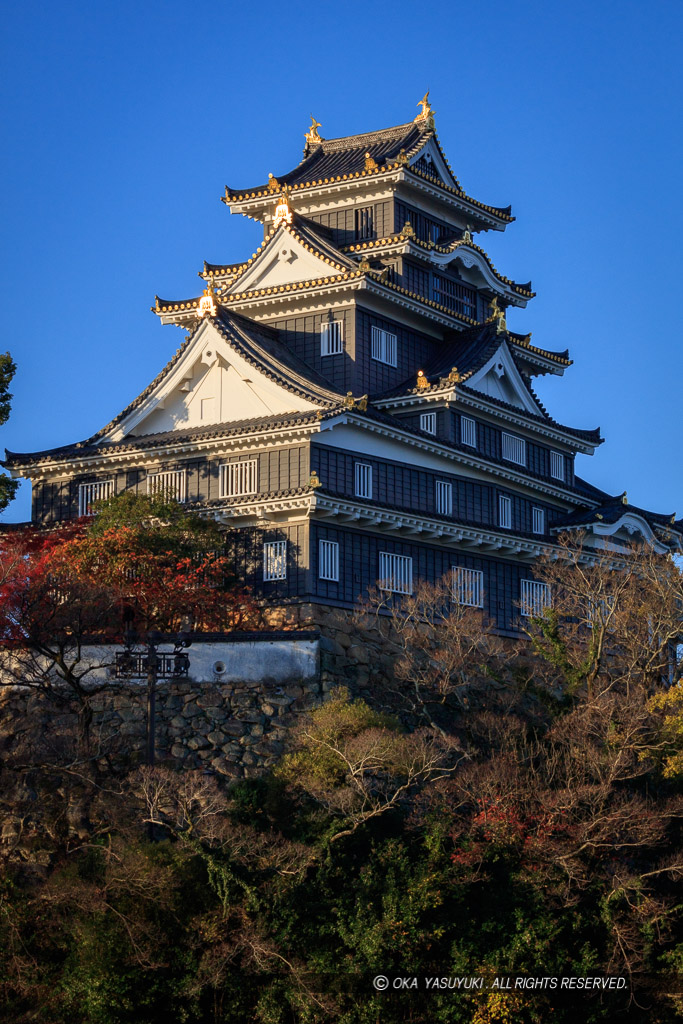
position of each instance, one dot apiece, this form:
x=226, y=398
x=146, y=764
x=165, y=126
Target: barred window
x=383, y=346
x=331, y=338
x=534, y=598
x=88, y=494
x=275, y=560
x=538, y=520
x=504, y=512
x=444, y=498
x=514, y=449
x=170, y=483
x=238, y=478
x=363, y=480
x=364, y=222
x=395, y=573
x=428, y=422
x=468, y=587
x=557, y=465
x=468, y=431
x=328, y=560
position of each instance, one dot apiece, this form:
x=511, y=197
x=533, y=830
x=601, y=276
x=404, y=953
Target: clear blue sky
x=122, y=123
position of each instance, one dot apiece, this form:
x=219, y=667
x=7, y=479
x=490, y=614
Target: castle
x=349, y=402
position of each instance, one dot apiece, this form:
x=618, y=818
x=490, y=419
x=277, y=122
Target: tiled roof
x=469, y=350
x=401, y=238
x=83, y=449
x=333, y=160
x=612, y=510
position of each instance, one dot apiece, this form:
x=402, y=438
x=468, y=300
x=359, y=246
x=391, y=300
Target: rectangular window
x=428, y=422
x=170, y=483
x=444, y=498
x=468, y=587
x=88, y=494
x=457, y=297
x=383, y=346
x=363, y=480
x=557, y=465
x=364, y=222
x=395, y=573
x=331, y=338
x=238, y=478
x=534, y=598
x=275, y=560
x=328, y=560
x=504, y=512
x=538, y=520
x=468, y=431
x=514, y=449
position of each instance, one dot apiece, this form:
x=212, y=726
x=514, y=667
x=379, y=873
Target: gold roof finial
x=370, y=163
x=422, y=381
x=497, y=314
x=312, y=136
x=273, y=183
x=283, y=213
x=467, y=234
x=206, y=306
x=314, y=480
x=426, y=114
x=454, y=377
x=624, y=498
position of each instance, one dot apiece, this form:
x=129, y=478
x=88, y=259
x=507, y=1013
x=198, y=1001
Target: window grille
x=455, y=296
x=514, y=449
x=395, y=573
x=538, y=520
x=238, y=478
x=504, y=512
x=557, y=465
x=444, y=498
x=468, y=587
x=468, y=431
x=428, y=422
x=331, y=340
x=168, y=484
x=275, y=560
x=383, y=346
x=88, y=494
x=364, y=222
x=534, y=598
x=363, y=480
x=328, y=560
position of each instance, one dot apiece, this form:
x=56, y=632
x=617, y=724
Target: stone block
x=191, y=711
x=359, y=653
x=217, y=738
x=197, y=742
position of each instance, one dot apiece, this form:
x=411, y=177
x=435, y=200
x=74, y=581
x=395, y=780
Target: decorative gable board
x=501, y=379
x=211, y=383
x=283, y=261
x=430, y=152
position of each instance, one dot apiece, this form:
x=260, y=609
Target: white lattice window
x=444, y=498
x=363, y=480
x=534, y=598
x=383, y=346
x=557, y=465
x=395, y=573
x=328, y=560
x=238, y=478
x=514, y=449
x=331, y=338
x=88, y=494
x=538, y=525
x=468, y=587
x=275, y=560
x=428, y=422
x=504, y=512
x=468, y=431
x=170, y=484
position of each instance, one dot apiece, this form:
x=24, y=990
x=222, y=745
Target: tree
x=8, y=487
x=67, y=596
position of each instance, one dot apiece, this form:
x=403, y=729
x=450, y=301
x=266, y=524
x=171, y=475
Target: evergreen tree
x=8, y=487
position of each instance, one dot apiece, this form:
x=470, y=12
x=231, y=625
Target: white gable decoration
x=284, y=260
x=431, y=155
x=211, y=383
x=501, y=379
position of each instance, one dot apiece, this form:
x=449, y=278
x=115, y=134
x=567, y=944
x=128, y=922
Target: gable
x=284, y=260
x=501, y=379
x=430, y=160
x=210, y=384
